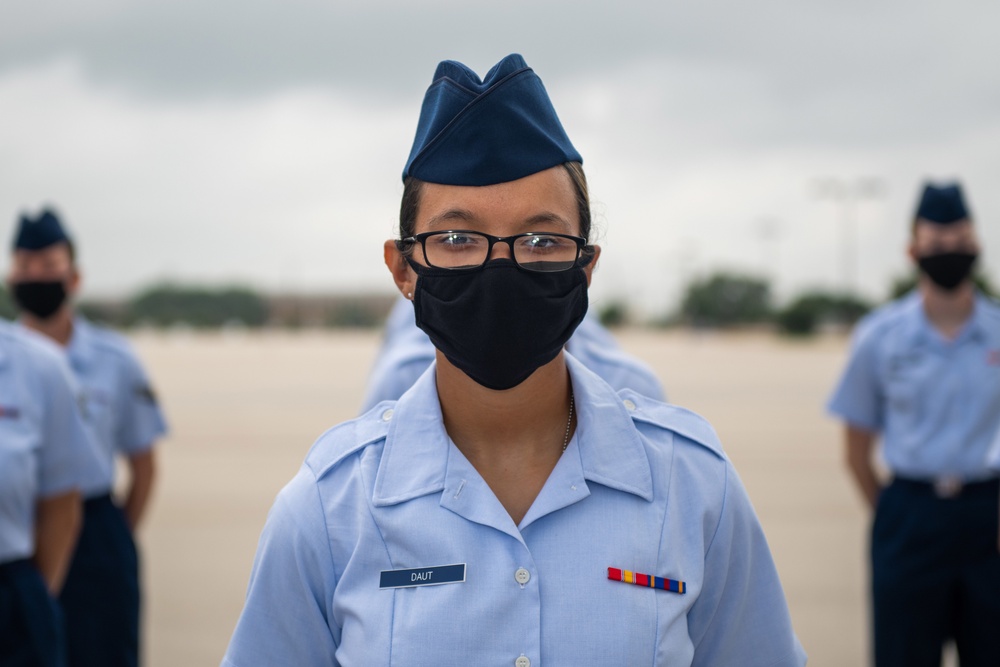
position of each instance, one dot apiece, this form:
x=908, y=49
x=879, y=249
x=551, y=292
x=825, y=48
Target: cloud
x=189, y=47
x=279, y=192
x=262, y=142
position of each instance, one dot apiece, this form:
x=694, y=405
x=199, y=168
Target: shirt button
x=629, y=405
x=522, y=577
x=387, y=415
x=522, y=662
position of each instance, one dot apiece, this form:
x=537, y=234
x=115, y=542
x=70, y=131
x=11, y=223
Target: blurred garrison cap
x=942, y=204
x=40, y=232
x=482, y=132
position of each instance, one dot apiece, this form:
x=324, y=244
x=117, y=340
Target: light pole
x=848, y=194
x=769, y=231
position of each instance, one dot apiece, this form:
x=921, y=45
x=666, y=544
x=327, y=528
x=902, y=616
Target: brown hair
x=411, y=201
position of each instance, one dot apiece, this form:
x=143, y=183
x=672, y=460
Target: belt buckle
x=948, y=487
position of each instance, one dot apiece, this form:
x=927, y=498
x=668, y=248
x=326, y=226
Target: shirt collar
x=923, y=332
x=977, y=329
x=80, y=350
x=415, y=462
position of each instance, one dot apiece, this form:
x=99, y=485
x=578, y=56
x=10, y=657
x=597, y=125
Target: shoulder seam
x=709, y=440
x=339, y=457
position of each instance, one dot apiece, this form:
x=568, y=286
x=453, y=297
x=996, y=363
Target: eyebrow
x=547, y=217
x=459, y=214
x=466, y=216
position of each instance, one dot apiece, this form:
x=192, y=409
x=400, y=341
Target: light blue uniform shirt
x=643, y=486
x=44, y=448
x=935, y=402
x=120, y=409
x=406, y=352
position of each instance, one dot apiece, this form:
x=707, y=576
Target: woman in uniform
x=43, y=452
x=511, y=508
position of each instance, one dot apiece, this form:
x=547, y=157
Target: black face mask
x=500, y=323
x=41, y=299
x=947, y=270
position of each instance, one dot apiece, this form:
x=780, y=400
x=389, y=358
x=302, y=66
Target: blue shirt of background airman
x=120, y=409
x=406, y=352
x=44, y=448
x=643, y=486
x=935, y=402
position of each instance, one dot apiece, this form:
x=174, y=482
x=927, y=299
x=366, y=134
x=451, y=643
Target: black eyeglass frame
x=584, y=251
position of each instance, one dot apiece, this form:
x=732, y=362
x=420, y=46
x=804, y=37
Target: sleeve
x=858, y=398
x=67, y=452
x=286, y=617
x=741, y=617
x=141, y=420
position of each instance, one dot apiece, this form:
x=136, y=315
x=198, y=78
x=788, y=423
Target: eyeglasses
x=532, y=251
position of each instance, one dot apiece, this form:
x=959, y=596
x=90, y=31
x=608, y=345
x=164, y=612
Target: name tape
x=422, y=576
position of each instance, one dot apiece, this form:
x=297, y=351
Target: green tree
x=7, y=309
x=809, y=310
x=108, y=313
x=613, y=314
x=725, y=299
x=164, y=305
x=353, y=314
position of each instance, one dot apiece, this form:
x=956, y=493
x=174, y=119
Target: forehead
x=926, y=231
x=54, y=255
x=544, y=196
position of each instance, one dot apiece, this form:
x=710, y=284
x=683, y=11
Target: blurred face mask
x=499, y=323
x=40, y=298
x=947, y=270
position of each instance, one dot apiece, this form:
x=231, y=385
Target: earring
x=409, y=295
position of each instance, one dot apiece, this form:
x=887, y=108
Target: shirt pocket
x=910, y=380
x=445, y=624
x=902, y=400
x=97, y=410
x=19, y=443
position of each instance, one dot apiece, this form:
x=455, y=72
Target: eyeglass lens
x=541, y=252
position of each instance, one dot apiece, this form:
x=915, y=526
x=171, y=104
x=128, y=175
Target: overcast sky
x=262, y=141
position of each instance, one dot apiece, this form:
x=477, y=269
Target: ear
x=75, y=278
x=589, y=269
x=911, y=250
x=402, y=274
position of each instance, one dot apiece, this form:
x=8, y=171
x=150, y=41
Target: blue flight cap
x=43, y=231
x=942, y=204
x=482, y=132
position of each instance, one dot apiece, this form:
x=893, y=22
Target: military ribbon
x=646, y=580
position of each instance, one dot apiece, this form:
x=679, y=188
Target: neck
x=59, y=327
x=489, y=426
x=948, y=311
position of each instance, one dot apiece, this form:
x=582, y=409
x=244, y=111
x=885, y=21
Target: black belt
x=947, y=488
x=97, y=501
x=15, y=565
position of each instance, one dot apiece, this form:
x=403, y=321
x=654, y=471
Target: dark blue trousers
x=31, y=633
x=101, y=597
x=936, y=575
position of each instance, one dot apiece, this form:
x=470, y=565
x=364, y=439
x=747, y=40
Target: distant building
x=188, y=307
